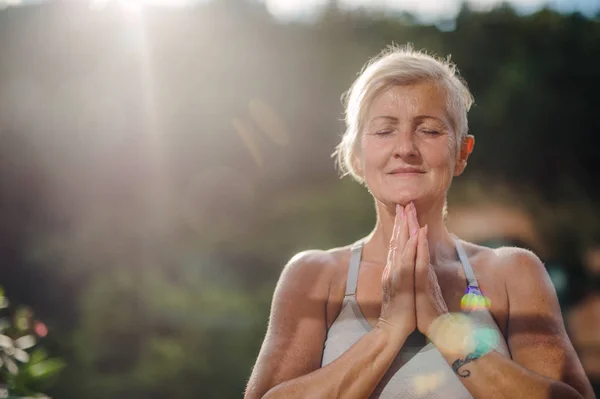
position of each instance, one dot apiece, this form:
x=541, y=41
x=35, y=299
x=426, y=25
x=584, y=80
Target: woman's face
x=408, y=148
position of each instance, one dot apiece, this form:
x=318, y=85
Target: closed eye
x=432, y=132
x=384, y=132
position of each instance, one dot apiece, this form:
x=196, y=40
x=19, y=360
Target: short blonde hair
x=401, y=66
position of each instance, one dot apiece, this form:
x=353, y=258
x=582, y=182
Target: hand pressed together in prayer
x=412, y=297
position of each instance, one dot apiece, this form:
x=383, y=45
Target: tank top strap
x=464, y=259
x=352, y=281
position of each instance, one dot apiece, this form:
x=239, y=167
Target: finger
x=403, y=231
x=413, y=222
x=422, y=262
x=407, y=267
x=385, y=280
x=394, y=239
x=400, y=214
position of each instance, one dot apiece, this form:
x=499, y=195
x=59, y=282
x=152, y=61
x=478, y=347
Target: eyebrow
x=419, y=117
x=386, y=117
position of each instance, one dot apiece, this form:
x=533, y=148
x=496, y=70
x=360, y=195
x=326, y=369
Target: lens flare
x=474, y=300
x=423, y=384
x=453, y=333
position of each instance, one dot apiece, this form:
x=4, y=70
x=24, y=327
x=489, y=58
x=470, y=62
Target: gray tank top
x=418, y=371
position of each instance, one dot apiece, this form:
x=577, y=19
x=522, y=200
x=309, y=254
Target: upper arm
x=293, y=344
x=536, y=333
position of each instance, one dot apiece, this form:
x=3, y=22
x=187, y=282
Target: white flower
x=14, y=349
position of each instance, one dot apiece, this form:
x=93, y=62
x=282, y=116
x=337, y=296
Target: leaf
x=38, y=355
x=46, y=368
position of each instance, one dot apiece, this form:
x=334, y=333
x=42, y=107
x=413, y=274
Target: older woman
x=346, y=322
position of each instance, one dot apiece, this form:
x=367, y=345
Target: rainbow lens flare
x=487, y=338
x=474, y=300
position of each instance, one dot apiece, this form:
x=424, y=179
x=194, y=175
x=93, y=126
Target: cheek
x=438, y=155
x=374, y=153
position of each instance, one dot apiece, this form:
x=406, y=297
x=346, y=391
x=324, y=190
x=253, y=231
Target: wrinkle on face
x=409, y=113
x=430, y=101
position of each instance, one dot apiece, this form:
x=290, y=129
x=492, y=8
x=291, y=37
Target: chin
x=390, y=193
x=402, y=198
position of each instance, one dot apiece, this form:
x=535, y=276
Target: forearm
x=355, y=374
x=495, y=376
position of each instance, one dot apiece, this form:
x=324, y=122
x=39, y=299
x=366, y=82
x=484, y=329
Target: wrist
x=440, y=321
x=394, y=335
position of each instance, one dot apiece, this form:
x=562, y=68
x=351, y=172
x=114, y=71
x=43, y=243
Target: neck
x=441, y=243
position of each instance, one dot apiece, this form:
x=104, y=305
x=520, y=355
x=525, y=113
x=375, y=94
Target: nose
x=405, y=146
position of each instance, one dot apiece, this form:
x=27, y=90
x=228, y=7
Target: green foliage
x=161, y=336
x=23, y=369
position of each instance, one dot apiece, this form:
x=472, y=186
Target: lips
x=406, y=171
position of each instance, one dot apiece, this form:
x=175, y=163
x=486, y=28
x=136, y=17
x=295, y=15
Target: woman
x=344, y=322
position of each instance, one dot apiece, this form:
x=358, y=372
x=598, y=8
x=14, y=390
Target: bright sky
x=426, y=9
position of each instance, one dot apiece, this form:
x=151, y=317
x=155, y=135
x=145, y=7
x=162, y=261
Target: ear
x=466, y=148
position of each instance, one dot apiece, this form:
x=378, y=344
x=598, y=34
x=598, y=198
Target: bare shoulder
x=512, y=264
x=531, y=294
x=317, y=260
x=511, y=257
x=311, y=274
x=522, y=268
x=296, y=332
x=314, y=265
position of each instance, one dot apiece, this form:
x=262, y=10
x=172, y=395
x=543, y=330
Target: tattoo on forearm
x=458, y=363
x=480, y=350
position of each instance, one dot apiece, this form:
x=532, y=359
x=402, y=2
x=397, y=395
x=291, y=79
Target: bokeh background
x=161, y=162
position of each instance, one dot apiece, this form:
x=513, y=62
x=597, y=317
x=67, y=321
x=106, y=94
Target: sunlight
x=292, y=8
x=161, y=3
x=426, y=9
x=133, y=5
x=151, y=151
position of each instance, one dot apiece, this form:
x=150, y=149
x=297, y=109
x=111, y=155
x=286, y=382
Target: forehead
x=424, y=98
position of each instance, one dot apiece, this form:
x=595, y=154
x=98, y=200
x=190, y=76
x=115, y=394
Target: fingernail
x=414, y=231
x=397, y=208
x=425, y=228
